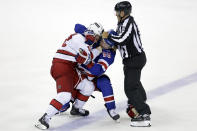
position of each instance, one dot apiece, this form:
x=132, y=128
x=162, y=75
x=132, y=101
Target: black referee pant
x=132, y=85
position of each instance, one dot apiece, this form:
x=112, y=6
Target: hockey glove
x=90, y=65
x=112, y=32
x=110, y=43
x=83, y=57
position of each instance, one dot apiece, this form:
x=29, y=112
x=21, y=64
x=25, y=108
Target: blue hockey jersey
x=101, y=62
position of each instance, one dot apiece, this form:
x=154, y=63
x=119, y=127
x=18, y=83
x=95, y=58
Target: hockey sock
x=56, y=104
x=79, y=104
x=81, y=100
x=109, y=102
x=51, y=111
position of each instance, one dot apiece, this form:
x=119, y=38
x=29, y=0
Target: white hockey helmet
x=97, y=28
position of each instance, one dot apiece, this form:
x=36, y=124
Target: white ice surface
x=32, y=30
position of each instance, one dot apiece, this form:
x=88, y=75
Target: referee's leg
x=134, y=90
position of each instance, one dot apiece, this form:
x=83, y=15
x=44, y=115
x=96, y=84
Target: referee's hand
x=105, y=35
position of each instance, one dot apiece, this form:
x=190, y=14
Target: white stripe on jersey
x=64, y=57
x=73, y=45
x=125, y=35
x=108, y=96
x=123, y=51
x=122, y=30
x=109, y=101
x=84, y=70
x=136, y=41
x=136, y=44
x=103, y=62
x=68, y=48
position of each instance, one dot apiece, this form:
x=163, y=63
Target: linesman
x=129, y=44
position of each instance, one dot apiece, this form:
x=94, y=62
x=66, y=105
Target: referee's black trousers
x=132, y=85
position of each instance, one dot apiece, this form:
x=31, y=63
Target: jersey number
x=70, y=37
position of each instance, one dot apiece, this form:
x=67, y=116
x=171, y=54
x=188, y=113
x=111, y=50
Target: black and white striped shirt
x=128, y=39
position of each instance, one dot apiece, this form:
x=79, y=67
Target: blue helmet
x=79, y=28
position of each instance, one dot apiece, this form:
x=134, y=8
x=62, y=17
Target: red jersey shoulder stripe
x=103, y=64
x=65, y=52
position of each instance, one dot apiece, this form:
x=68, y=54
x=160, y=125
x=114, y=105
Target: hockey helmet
x=96, y=28
x=93, y=32
x=123, y=6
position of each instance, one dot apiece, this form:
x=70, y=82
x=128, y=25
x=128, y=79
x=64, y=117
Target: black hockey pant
x=132, y=85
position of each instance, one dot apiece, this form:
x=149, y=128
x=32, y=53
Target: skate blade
x=62, y=113
x=117, y=121
x=40, y=126
x=141, y=124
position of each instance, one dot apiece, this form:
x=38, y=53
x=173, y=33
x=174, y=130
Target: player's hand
x=105, y=35
x=83, y=57
x=90, y=65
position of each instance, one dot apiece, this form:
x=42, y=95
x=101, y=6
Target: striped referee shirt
x=128, y=39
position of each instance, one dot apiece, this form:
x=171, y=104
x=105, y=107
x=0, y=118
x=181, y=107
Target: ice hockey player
x=95, y=73
x=75, y=50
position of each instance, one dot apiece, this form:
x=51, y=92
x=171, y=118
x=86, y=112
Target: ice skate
x=43, y=123
x=141, y=121
x=79, y=112
x=115, y=116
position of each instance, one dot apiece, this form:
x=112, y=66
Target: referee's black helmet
x=123, y=6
